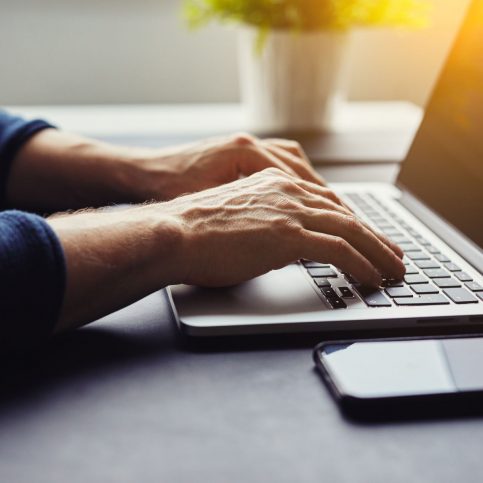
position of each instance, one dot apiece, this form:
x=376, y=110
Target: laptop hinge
x=447, y=232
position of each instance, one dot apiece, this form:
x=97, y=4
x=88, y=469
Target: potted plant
x=292, y=52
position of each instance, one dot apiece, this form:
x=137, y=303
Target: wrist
x=128, y=254
x=163, y=244
x=143, y=174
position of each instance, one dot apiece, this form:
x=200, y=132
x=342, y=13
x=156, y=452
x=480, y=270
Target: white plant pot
x=296, y=82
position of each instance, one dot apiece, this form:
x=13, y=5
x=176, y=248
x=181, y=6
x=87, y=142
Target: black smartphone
x=387, y=379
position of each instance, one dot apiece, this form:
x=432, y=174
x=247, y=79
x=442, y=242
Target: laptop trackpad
x=280, y=292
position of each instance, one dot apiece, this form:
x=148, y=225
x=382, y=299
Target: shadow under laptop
x=307, y=340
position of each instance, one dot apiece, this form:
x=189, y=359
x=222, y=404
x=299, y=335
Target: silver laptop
x=434, y=212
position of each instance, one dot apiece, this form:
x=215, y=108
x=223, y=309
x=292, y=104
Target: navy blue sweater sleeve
x=32, y=266
x=32, y=279
x=14, y=132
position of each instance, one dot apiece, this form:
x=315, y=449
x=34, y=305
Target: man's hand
x=168, y=173
x=241, y=230
x=221, y=236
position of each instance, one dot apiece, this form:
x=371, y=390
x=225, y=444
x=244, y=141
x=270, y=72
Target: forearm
x=57, y=171
x=114, y=258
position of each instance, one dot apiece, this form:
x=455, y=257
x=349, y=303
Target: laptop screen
x=444, y=167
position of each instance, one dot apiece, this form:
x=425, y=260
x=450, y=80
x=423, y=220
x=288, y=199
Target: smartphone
x=388, y=379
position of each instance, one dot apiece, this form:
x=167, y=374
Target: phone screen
x=405, y=368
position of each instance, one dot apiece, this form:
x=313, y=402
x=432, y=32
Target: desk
x=127, y=400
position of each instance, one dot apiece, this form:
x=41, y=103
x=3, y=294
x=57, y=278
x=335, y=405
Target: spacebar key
x=373, y=297
x=436, y=299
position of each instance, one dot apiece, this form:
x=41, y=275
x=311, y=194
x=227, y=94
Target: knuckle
x=287, y=185
x=284, y=203
x=272, y=172
x=330, y=194
x=353, y=223
x=293, y=227
x=340, y=247
x=295, y=145
x=285, y=224
x=243, y=139
x=268, y=175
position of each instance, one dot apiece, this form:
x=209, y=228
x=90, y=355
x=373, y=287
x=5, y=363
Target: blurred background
x=140, y=51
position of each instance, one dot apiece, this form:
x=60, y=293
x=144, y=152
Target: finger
x=321, y=191
x=387, y=241
x=318, y=201
x=358, y=235
x=326, y=192
x=292, y=147
x=310, y=194
x=324, y=248
x=302, y=168
x=257, y=159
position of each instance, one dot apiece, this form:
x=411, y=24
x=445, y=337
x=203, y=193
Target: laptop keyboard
x=431, y=277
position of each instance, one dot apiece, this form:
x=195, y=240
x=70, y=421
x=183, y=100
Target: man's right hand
x=218, y=237
x=246, y=228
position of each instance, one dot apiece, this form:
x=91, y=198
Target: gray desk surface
x=127, y=400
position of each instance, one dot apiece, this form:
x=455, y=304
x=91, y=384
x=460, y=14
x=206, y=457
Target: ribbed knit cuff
x=32, y=280
x=14, y=133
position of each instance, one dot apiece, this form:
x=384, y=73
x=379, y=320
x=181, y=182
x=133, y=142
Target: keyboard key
x=311, y=264
x=322, y=272
x=376, y=221
x=373, y=297
x=452, y=267
x=328, y=292
x=390, y=282
x=424, y=264
x=418, y=256
x=411, y=270
x=337, y=303
x=398, y=292
x=431, y=249
x=400, y=239
x=334, y=300
x=436, y=299
x=480, y=294
x=463, y=276
x=383, y=224
x=441, y=258
x=424, y=288
x=436, y=273
x=346, y=292
x=412, y=279
x=391, y=232
x=460, y=296
x=350, y=278
x=474, y=286
x=446, y=282
x=422, y=241
x=409, y=247
x=321, y=282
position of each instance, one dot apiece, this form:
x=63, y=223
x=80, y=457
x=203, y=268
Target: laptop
x=434, y=212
